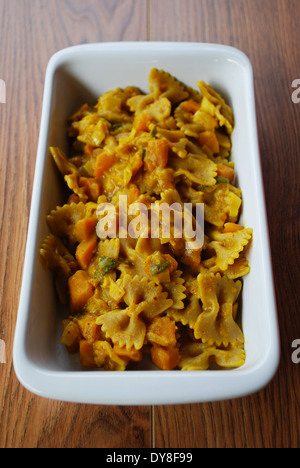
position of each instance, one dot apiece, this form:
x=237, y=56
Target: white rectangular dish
x=81, y=74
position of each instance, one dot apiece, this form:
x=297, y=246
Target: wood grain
x=268, y=32
x=30, y=32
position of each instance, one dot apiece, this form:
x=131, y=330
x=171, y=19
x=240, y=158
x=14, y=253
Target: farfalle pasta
x=137, y=291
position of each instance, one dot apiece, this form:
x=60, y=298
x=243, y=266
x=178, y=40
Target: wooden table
x=268, y=31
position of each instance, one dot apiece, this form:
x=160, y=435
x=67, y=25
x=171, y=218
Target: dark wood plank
x=30, y=32
x=268, y=32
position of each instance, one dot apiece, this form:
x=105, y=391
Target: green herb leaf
x=157, y=269
x=222, y=180
x=116, y=126
x=105, y=265
x=153, y=131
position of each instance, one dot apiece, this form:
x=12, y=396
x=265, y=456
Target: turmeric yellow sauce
x=145, y=295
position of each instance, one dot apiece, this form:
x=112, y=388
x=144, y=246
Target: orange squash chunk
x=162, y=331
x=92, y=186
x=210, y=140
x=85, y=251
x=225, y=171
x=86, y=353
x=190, y=106
x=141, y=122
x=165, y=358
x=89, y=328
x=71, y=335
x=232, y=227
x=131, y=354
x=104, y=162
x=80, y=290
x=85, y=228
x=157, y=154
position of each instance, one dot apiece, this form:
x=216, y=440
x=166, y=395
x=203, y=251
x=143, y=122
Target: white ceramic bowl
x=81, y=74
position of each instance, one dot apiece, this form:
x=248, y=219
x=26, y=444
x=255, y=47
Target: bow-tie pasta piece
x=123, y=328
x=222, y=111
x=106, y=357
x=56, y=257
x=112, y=105
x=193, y=121
x=228, y=246
x=222, y=203
x=196, y=168
x=176, y=290
x=162, y=84
x=200, y=356
x=80, y=177
x=63, y=221
x=145, y=297
x=216, y=324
